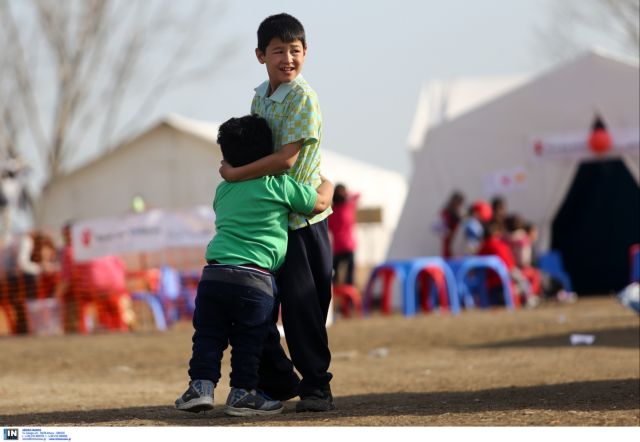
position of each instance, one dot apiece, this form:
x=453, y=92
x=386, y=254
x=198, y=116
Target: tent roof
x=337, y=167
x=445, y=99
x=203, y=129
x=442, y=101
x=208, y=131
x=375, y=183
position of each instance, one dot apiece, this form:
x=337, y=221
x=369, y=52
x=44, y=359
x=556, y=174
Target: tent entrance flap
x=596, y=224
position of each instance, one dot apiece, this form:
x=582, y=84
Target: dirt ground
x=482, y=368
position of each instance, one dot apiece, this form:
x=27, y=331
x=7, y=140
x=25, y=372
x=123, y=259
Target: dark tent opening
x=595, y=226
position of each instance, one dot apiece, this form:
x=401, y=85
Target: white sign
x=576, y=144
x=153, y=230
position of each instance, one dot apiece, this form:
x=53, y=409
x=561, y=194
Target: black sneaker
x=281, y=392
x=315, y=400
x=243, y=402
x=198, y=397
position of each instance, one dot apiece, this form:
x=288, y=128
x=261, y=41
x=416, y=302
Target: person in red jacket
x=341, y=226
x=495, y=245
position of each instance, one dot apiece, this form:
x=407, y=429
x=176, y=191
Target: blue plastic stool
x=415, y=267
x=169, y=292
x=480, y=264
x=156, y=308
x=395, y=268
x=551, y=263
x=407, y=272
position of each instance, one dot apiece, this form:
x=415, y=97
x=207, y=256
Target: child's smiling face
x=284, y=61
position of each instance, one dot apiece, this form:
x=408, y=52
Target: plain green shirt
x=252, y=218
x=293, y=114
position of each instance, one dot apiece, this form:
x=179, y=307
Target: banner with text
x=153, y=230
x=575, y=145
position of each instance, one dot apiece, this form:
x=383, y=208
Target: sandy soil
x=482, y=368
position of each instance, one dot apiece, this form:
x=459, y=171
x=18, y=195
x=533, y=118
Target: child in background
x=494, y=245
x=235, y=297
x=521, y=246
x=499, y=207
x=341, y=225
x=451, y=216
x=469, y=235
x=516, y=236
x=531, y=256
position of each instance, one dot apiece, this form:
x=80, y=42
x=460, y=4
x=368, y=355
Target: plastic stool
x=551, y=263
x=350, y=299
x=438, y=291
x=462, y=266
x=155, y=306
x=407, y=272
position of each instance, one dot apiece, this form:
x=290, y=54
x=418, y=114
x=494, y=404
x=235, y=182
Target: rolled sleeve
x=304, y=122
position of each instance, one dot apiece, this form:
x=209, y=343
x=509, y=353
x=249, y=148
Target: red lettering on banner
x=86, y=237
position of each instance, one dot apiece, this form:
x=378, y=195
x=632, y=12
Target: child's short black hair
x=283, y=26
x=492, y=228
x=339, y=194
x=244, y=140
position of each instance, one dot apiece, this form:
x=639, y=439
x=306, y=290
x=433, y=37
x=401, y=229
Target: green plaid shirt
x=293, y=114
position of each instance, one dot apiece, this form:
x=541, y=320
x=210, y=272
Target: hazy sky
x=368, y=59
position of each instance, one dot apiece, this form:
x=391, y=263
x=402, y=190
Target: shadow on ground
x=623, y=337
x=622, y=394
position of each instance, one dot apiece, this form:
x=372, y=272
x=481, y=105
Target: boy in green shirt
x=235, y=297
x=292, y=110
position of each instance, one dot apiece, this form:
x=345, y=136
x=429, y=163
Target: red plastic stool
x=350, y=299
x=428, y=276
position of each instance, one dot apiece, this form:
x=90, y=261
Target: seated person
x=520, y=242
x=468, y=237
x=494, y=245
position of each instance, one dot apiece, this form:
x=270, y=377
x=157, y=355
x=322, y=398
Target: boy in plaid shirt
x=292, y=110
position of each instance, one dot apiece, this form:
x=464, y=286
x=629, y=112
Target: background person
x=450, y=217
x=342, y=228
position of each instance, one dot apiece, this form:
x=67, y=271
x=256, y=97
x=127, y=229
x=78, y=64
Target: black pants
x=304, y=292
x=338, y=259
x=235, y=313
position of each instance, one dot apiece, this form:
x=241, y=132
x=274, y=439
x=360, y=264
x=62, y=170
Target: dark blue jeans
x=228, y=313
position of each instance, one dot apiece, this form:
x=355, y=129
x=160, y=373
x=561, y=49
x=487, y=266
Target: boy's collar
x=281, y=93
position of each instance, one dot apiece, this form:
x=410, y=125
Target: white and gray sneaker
x=243, y=402
x=198, y=397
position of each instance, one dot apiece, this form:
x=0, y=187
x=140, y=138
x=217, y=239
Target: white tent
x=525, y=144
x=174, y=165
x=443, y=100
x=170, y=165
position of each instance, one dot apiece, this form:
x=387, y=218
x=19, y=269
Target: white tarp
x=152, y=230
